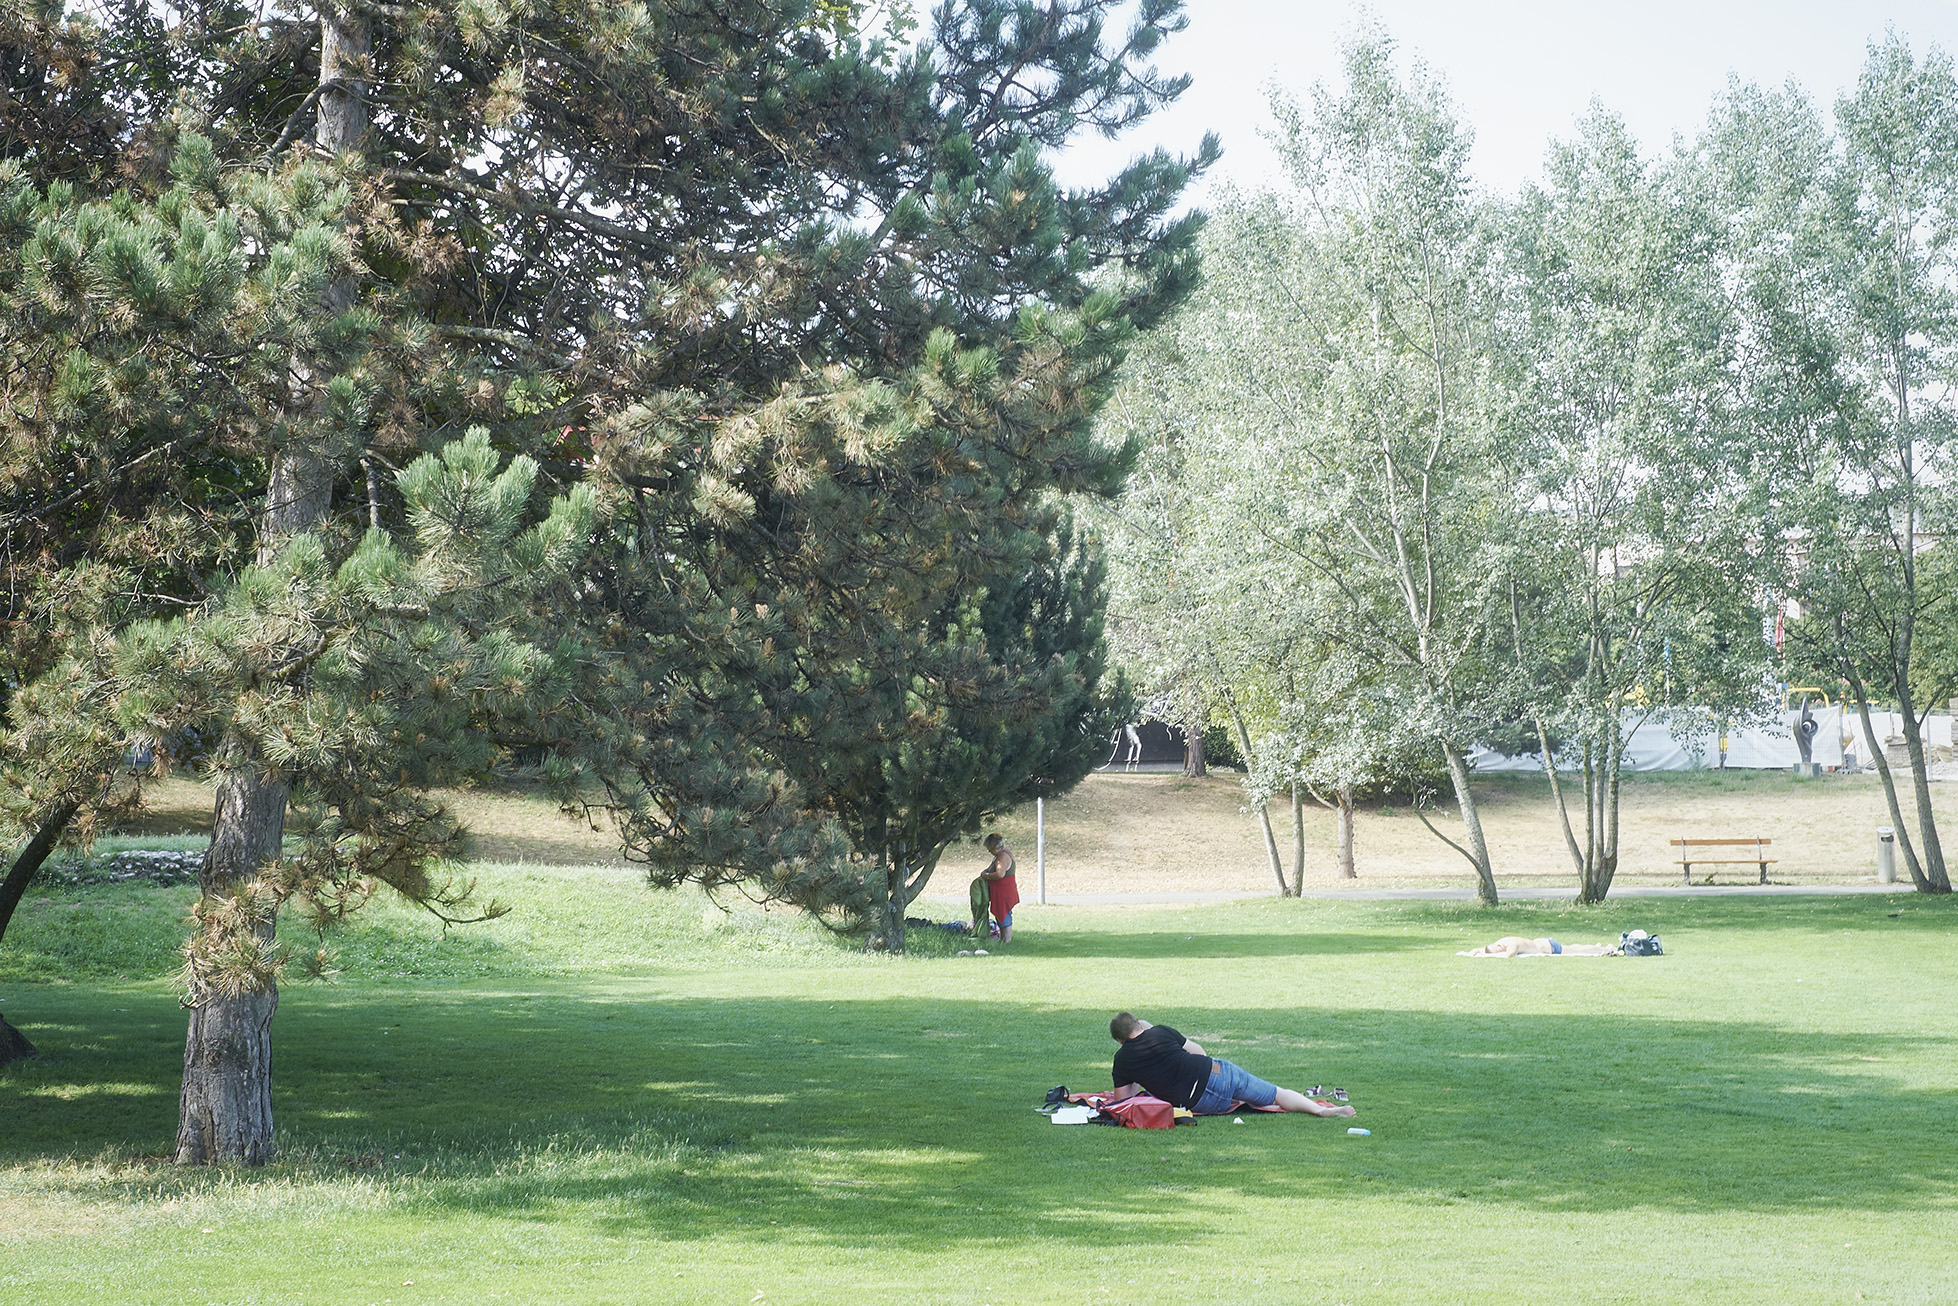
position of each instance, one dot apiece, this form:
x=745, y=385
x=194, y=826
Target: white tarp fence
x=1652, y=746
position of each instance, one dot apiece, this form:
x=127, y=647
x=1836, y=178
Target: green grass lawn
x=617, y=1096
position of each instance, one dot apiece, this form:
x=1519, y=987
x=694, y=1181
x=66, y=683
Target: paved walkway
x=1452, y=895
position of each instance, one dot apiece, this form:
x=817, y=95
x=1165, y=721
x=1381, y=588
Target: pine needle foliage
x=784, y=308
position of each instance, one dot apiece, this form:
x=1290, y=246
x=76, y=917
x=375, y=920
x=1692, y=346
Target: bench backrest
x=1721, y=843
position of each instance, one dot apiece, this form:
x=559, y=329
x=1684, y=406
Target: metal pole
x=1040, y=846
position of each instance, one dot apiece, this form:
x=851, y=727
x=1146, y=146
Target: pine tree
x=802, y=305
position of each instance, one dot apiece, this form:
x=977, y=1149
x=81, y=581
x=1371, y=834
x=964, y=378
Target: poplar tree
x=1631, y=563
x=1843, y=251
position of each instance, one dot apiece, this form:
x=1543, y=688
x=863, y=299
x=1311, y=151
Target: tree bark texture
x=1344, y=821
x=1298, y=840
x=1271, y=847
x=225, y=1109
x=226, y=1104
x=13, y=1043
x=1193, y=764
x=1264, y=804
x=1936, y=880
x=28, y=862
x=1904, y=842
x=1478, y=847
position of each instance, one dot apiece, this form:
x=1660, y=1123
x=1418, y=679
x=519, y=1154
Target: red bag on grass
x=1139, y=1112
x=1143, y=1112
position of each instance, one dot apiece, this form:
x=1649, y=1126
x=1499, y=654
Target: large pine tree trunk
x=226, y=1103
x=887, y=915
x=225, y=1110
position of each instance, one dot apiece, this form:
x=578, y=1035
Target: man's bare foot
x=1328, y=1109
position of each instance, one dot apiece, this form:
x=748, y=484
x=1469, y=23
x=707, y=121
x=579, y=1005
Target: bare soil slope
x=1154, y=833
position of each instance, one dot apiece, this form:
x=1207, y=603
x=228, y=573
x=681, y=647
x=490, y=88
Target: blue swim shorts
x=1230, y=1083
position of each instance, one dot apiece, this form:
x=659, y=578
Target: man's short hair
x=1123, y=1027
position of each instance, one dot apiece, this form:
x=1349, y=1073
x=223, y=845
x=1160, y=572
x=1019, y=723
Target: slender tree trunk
x=1298, y=840
x=27, y=864
x=1478, y=847
x=1904, y=841
x=1557, y=798
x=226, y=1104
x=893, y=930
x=1271, y=847
x=1936, y=880
x=1344, y=821
x=1193, y=763
x=1614, y=781
x=1264, y=804
x=1603, y=864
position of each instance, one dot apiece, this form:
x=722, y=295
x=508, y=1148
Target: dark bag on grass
x=1637, y=943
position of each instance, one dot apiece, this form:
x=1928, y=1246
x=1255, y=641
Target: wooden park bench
x=1722, y=852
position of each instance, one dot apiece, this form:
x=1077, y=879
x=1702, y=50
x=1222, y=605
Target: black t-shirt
x=1156, y=1060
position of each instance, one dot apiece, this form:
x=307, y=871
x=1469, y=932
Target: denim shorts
x=1233, y=1083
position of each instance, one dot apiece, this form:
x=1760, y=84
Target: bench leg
x=1764, y=872
x=1688, y=867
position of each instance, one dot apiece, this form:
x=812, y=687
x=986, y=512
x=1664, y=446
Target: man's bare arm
x=1192, y=1046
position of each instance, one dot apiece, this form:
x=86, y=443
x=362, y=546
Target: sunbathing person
x=1514, y=946
x=1159, y=1061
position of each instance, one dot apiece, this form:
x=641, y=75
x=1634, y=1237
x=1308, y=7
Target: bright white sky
x=1520, y=71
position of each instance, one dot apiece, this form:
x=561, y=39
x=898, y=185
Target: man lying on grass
x=1515, y=946
x=1158, y=1060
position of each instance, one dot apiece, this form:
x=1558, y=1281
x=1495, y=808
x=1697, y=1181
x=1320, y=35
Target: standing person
x=1002, y=890
x=1167, y=1065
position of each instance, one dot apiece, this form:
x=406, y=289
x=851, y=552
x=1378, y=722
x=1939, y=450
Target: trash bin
x=1886, y=855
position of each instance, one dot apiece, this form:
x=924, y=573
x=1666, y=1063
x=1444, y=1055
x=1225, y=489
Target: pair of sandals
x=1320, y=1090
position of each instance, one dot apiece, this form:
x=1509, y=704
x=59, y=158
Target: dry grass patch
x=1144, y=833
x=1160, y=833
x=513, y=824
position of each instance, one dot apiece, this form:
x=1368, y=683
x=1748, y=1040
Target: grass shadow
x=650, y=1111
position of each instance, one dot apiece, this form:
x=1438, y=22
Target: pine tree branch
x=510, y=338
x=296, y=122
x=519, y=204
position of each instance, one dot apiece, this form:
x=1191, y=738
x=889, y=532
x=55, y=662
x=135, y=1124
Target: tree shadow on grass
x=647, y=1112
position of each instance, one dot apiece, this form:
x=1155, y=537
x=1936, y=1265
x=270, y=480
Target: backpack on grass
x=1637, y=943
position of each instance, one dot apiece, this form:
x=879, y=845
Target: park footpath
x=1541, y=893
